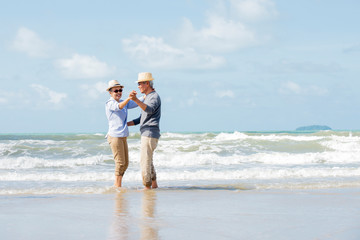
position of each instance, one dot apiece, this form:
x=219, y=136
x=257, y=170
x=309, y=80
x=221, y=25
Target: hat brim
x=145, y=80
x=108, y=89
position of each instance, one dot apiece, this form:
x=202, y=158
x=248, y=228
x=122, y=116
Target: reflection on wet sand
x=128, y=224
x=149, y=227
x=120, y=224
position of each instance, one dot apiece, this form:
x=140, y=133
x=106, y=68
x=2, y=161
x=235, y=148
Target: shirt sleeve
x=113, y=106
x=152, y=105
x=137, y=120
x=131, y=104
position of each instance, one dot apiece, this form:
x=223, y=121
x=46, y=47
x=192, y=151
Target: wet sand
x=184, y=214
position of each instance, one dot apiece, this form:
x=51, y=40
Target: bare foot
x=154, y=184
x=120, y=189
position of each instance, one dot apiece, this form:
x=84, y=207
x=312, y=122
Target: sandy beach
x=184, y=214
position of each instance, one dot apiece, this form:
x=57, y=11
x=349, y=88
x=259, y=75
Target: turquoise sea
x=82, y=163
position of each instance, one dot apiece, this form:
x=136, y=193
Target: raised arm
x=123, y=103
x=126, y=101
x=142, y=105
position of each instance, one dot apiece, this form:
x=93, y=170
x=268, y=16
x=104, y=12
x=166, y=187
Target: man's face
x=143, y=86
x=116, y=93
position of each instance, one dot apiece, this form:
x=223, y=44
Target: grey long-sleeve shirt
x=150, y=118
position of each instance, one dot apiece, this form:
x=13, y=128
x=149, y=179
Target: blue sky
x=226, y=65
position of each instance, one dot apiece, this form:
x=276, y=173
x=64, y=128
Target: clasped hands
x=132, y=95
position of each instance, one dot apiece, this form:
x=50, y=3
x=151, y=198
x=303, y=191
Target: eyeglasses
x=117, y=90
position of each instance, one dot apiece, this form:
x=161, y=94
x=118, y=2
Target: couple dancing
x=116, y=113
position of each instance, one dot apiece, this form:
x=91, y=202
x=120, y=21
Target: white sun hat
x=144, y=77
x=113, y=83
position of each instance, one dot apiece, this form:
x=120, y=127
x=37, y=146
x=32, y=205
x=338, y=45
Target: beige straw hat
x=144, y=77
x=113, y=83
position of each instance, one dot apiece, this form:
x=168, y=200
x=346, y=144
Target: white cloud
x=7, y=97
x=154, y=52
x=29, y=42
x=306, y=67
x=253, y=10
x=315, y=90
x=353, y=48
x=294, y=88
x=228, y=27
x=3, y=100
x=94, y=91
x=193, y=47
x=83, y=66
x=291, y=87
x=225, y=93
x=168, y=99
x=48, y=94
x=221, y=35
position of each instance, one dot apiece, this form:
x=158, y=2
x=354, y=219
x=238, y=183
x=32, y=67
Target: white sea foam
x=309, y=185
x=99, y=134
x=260, y=174
x=270, y=137
x=170, y=158
x=83, y=163
x=175, y=136
x=305, y=158
x=231, y=136
x=254, y=173
x=57, y=176
x=62, y=190
x=348, y=144
x=36, y=142
x=34, y=162
x=196, y=159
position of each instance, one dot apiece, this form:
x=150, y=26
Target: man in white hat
x=149, y=127
x=116, y=113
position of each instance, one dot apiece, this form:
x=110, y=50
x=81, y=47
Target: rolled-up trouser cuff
x=148, y=146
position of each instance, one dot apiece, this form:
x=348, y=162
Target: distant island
x=313, y=128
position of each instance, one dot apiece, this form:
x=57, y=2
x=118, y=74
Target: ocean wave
x=254, y=173
x=62, y=190
x=34, y=162
x=260, y=174
x=194, y=159
x=180, y=136
x=309, y=185
x=181, y=186
x=58, y=176
x=85, y=161
x=285, y=137
x=343, y=144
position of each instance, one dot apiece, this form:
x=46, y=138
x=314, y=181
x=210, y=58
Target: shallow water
x=82, y=163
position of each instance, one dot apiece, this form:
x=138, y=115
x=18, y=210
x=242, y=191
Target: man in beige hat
x=149, y=127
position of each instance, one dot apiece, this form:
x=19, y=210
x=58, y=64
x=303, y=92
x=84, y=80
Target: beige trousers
x=148, y=146
x=119, y=148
